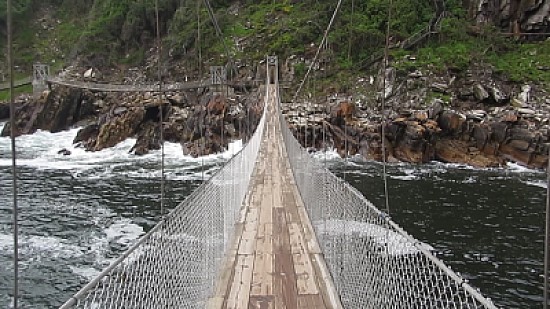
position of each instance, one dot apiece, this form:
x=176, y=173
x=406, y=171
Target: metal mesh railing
x=373, y=262
x=176, y=264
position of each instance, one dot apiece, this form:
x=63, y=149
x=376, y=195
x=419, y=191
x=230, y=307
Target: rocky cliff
x=203, y=122
x=464, y=93
x=519, y=17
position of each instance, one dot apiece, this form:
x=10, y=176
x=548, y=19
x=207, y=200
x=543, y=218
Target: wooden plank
x=309, y=233
x=292, y=212
x=296, y=238
x=247, y=243
x=262, y=302
x=240, y=287
x=305, y=277
x=275, y=255
x=262, y=278
x=310, y=301
x=284, y=276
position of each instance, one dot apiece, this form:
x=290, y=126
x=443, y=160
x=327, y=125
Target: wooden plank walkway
x=275, y=261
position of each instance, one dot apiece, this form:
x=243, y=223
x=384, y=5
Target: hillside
x=468, y=81
x=121, y=34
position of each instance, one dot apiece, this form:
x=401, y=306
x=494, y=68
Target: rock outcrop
x=487, y=124
x=53, y=111
x=202, y=123
x=514, y=16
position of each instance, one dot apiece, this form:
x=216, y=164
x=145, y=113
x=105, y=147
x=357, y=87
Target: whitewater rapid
x=41, y=151
x=79, y=212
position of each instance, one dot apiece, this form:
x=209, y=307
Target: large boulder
x=480, y=93
x=148, y=138
x=55, y=111
x=342, y=112
x=517, y=16
x=217, y=105
x=451, y=123
x=111, y=129
x=456, y=151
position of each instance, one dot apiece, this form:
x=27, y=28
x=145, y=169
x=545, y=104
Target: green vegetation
x=455, y=50
x=524, y=62
x=5, y=94
x=108, y=32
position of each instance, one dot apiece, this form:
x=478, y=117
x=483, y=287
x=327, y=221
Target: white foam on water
x=518, y=168
x=123, y=232
x=405, y=177
x=536, y=183
x=329, y=155
x=470, y=179
x=37, y=246
x=40, y=151
x=443, y=167
x=410, y=174
x=87, y=272
x=396, y=243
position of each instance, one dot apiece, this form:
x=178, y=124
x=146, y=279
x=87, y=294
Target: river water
x=79, y=212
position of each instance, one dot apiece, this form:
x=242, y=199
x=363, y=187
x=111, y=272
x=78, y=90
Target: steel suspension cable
x=13, y=163
x=219, y=33
x=161, y=109
x=199, y=50
x=325, y=35
x=547, y=235
x=383, y=137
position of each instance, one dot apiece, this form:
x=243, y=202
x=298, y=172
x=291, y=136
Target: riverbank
x=476, y=118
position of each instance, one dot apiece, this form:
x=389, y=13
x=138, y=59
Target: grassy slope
x=121, y=31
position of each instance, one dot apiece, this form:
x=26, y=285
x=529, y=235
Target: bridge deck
x=275, y=261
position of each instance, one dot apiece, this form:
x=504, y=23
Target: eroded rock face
x=118, y=128
x=479, y=137
x=202, y=128
x=515, y=16
x=203, y=123
x=54, y=111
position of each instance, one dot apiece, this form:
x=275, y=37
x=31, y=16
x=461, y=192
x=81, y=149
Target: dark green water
x=487, y=225
x=79, y=212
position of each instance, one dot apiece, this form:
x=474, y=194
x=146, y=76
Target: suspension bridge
x=273, y=228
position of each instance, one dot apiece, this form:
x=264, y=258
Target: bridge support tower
x=272, y=63
x=218, y=79
x=41, y=72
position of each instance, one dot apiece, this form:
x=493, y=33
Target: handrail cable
x=161, y=109
x=383, y=137
x=13, y=163
x=547, y=234
x=336, y=10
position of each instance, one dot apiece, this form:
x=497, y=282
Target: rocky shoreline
x=203, y=121
x=434, y=134
x=483, y=122
x=477, y=119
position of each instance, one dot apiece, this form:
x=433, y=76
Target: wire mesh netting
x=176, y=264
x=373, y=262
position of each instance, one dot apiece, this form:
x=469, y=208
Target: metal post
x=13, y=163
x=41, y=73
x=161, y=110
x=547, y=234
x=383, y=127
x=199, y=50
